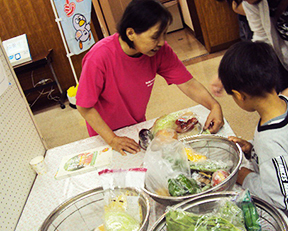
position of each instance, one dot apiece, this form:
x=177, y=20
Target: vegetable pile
x=228, y=215
x=205, y=173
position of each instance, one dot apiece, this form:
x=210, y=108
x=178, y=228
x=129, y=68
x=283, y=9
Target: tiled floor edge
x=203, y=57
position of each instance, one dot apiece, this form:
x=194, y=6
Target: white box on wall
x=17, y=49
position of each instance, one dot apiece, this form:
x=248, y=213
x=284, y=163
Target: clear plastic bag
x=210, y=165
x=183, y=123
x=122, y=209
x=164, y=159
x=226, y=216
x=251, y=217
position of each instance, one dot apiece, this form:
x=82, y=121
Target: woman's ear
x=130, y=33
x=239, y=95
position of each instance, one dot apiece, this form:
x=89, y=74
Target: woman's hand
x=214, y=120
x=118, y=143
x=124, y=143
x=244, y=144
x=197, y=92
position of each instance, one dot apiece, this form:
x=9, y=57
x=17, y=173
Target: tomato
x=219, y=176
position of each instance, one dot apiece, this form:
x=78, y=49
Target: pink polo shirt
x=119, y=86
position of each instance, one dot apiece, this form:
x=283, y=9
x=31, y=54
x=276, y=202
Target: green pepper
x=251, y=216
x=254, y=216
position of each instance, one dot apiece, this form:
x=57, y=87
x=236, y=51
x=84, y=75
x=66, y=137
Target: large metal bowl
x=270, y=218
x=217, y=148
x=86, y=210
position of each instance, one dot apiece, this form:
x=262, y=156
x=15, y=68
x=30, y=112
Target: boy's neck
x=270, y=107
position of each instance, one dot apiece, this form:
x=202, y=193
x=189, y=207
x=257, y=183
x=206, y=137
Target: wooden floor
x=188, y=49
x=185, y=45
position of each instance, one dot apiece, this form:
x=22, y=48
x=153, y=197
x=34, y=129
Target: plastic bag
x=210, y=165
x=122, y=208
x=251, y=217
x=226, y=216
x=165, y=158
x=183, y=123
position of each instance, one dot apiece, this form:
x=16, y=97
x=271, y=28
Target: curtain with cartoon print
x=75, y=16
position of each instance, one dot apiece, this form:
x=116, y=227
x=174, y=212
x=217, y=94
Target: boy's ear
x=130, y=33
x=239, y=95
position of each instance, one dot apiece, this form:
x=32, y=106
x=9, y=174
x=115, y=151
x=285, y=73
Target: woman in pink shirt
x=119, y=71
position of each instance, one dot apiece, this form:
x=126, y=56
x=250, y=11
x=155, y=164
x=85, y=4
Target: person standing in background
x=244, y=28
x=269, y=22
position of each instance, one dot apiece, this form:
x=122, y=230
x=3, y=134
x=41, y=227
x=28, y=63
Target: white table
x=47, y=193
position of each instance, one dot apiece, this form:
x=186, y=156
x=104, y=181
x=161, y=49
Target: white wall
x=186, y=13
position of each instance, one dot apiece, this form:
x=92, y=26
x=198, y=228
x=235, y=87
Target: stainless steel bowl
x=270, y=218
x=86, y=210
x=217, y=148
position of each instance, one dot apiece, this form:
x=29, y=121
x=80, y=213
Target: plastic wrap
x=184, y=123
x=122, y=210
x=227, y=216
x=164, y=159
x=210, y=165
x=251, y=217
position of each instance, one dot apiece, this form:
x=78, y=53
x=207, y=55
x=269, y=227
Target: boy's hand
x=124, y=143
x=242, y=173
x=244, y=144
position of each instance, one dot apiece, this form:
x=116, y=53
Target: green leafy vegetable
x=185, y=221
x=120, y=221
x=164, y=122
x=208, y=165
x=181, y=186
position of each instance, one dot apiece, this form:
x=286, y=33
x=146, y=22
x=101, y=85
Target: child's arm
x=242, y=173
x=244, y=144
x=238, y=8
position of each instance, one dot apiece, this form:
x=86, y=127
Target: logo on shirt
x=282, y=174
x=150, y=82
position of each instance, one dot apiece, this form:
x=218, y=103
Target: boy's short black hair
x=250, y=67
x=142, y=15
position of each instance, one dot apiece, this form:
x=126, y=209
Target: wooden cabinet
x=109, y=13
x=217, y=21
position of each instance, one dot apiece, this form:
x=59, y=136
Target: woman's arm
x=198, y=93
x=118, y=143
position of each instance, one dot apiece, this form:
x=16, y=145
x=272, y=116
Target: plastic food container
x=85, y=211
x=270, y=218
x=216, y=148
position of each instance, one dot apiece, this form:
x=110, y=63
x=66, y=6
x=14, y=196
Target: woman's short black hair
x=142, y=15
x=250, y=67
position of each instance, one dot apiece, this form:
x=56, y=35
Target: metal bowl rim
x=54, y=214
x=258, y=200
x=215, y=188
